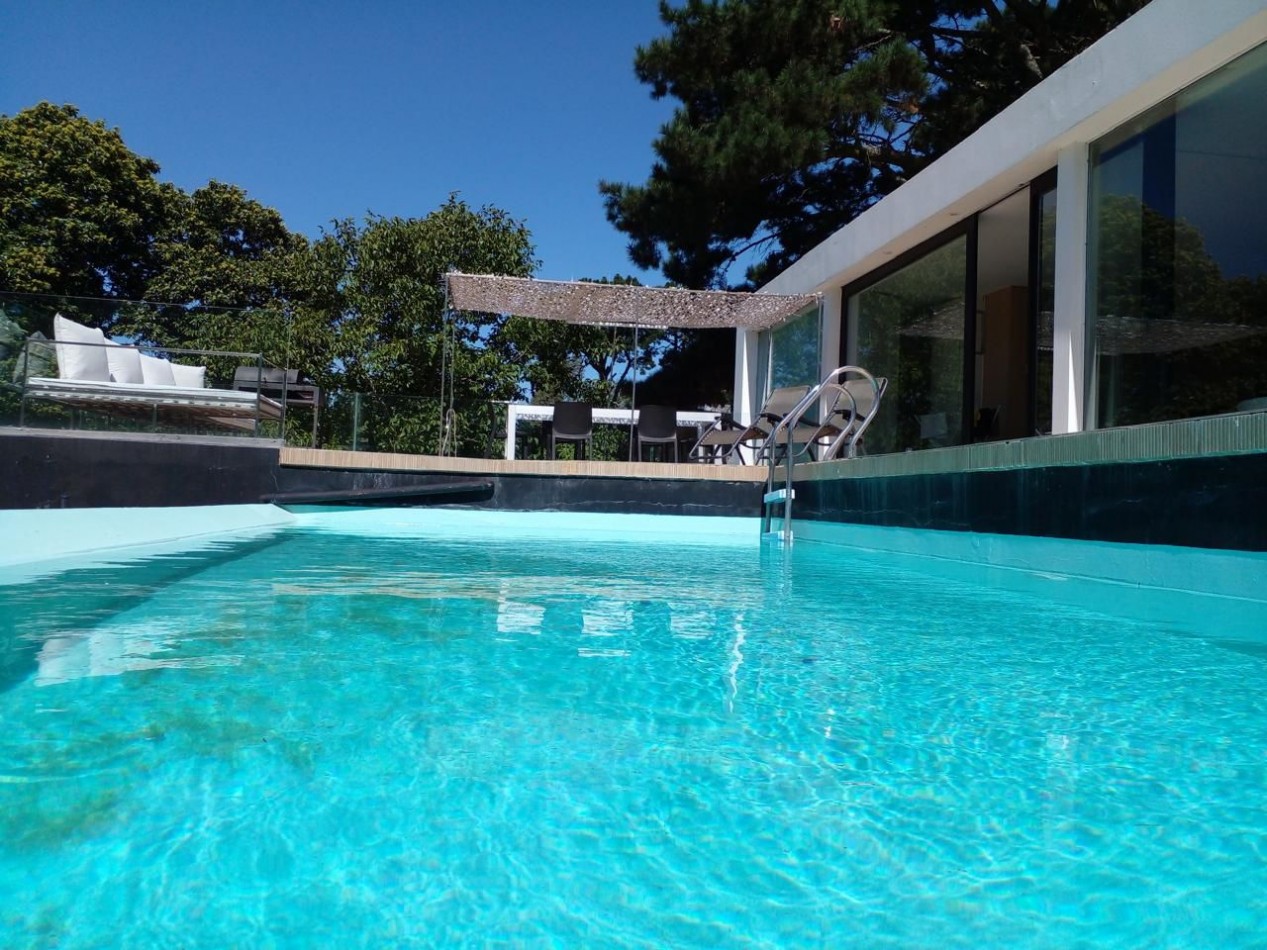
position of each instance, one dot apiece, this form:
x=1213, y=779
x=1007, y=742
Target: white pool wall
x=38, y=536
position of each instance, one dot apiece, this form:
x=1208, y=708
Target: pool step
x=777, y=496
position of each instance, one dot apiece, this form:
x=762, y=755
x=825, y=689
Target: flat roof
x=1155, y=53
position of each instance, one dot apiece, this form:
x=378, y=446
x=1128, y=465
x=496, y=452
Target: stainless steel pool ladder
x=853, y=423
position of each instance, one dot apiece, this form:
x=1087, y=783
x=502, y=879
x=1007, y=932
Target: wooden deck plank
x=397, y=462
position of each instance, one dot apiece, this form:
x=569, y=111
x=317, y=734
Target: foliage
x=78, y=209
x=696, y=369
x=84, y=221
x=573, y=361
x=797, y=115
x=380, y=284
x=237, y=276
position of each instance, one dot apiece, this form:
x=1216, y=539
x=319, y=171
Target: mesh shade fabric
x=621, y=305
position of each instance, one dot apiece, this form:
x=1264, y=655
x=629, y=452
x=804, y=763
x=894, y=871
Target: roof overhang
x=1147, y=58
x=622, y=304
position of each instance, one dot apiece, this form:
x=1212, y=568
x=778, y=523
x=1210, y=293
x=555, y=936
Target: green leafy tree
x=797, y=115
x=78, y=209
x=559, y=360
x=225, y=249
x=695, y=369
x=235, y=277
x=380, y=286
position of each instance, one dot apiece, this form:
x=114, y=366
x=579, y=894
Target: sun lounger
x=854, y=415
x=848, y=405
x=726, y=437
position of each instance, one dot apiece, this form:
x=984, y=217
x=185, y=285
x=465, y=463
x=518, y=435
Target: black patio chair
x=573, y=422
x=657, y=426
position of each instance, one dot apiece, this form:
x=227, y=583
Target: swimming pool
x=472, y=728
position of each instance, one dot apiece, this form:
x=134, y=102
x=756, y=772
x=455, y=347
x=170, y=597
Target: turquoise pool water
x=457, y=729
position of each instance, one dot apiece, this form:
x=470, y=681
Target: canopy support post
x=448, y=370
x=633, y=398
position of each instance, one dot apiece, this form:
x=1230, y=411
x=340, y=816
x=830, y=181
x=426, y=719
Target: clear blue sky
x=326, y=110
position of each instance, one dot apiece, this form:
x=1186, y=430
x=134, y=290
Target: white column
x=829, y=333
x=1069, y=336
x=851, y=331
x=512, y=425
x=745, y=376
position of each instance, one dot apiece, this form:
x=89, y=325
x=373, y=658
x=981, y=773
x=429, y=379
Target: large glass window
x=791, y=354
x=909, y=327
x=1179, y=254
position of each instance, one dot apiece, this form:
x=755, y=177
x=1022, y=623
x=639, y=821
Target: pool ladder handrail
x=851, y=433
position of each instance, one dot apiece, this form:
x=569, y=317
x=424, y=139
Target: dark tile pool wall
x=41, y=471
x=1211, y=502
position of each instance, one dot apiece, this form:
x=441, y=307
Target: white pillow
x=189, y=377
x=124, y=362
x=80, y=362
x=156, y=372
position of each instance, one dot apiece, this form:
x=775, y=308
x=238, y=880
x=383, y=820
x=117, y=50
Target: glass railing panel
x=122, y=380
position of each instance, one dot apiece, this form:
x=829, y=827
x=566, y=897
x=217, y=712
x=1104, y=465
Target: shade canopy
x=621, y=304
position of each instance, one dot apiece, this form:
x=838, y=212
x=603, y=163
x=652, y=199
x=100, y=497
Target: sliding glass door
x=908, y=326
x=1179, y=255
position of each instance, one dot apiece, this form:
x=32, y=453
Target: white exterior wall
x=829, y=333
x=745, y=401
x=1166, y=46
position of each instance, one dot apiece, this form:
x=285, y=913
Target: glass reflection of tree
x=795, y=360
x=1175, y=338
x=910, y=329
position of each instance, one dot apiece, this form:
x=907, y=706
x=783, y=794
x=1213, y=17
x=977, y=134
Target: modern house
x=1091, y=263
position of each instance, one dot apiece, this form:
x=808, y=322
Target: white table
x=517, y=411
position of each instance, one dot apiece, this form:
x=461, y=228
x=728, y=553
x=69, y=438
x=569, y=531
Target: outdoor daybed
x=99, y=374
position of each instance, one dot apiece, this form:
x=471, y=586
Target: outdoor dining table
x=517, y=412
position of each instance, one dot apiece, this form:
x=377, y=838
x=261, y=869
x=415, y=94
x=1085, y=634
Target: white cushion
x=189, y=377
x=156, y=372
x=124, y=362
x=76, y=361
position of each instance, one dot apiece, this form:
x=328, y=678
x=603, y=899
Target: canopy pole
x=448, y=372
x=633, y=397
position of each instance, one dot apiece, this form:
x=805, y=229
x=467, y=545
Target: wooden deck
x=395, y=462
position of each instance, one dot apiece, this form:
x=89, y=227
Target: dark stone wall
x=631, y=495
x=1212, y=502
x=43, y=471
x=545, y=492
